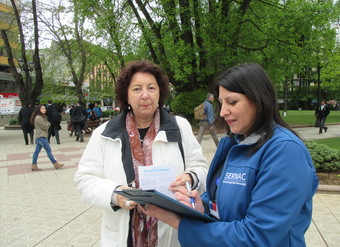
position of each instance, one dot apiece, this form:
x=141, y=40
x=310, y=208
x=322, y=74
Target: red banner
x=9, y=95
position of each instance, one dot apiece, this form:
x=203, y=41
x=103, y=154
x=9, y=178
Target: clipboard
x=163, y=201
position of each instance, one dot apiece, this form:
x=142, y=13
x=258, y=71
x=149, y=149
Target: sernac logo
x=235, y=178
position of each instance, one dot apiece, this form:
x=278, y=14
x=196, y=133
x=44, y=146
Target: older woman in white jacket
x=143, y=134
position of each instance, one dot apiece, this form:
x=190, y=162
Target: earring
x=129, y=107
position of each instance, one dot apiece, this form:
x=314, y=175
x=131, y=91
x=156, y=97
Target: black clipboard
x=163, y=201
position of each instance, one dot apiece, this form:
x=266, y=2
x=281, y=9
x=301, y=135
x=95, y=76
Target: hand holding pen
x=188, y=186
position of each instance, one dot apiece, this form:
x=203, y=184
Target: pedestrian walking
x=70, y=126
x=321, y=113
x=54, y=117
x=25, y=114
x=78, y=119
x=41, y=125
x=208, y=121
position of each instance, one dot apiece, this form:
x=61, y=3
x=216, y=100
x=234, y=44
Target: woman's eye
x=232, y=102
x=136, y=89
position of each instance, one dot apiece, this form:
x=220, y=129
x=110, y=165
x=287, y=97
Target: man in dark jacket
x=54, y=117
x=24, y=119
x=78, y=119
x=321, y=113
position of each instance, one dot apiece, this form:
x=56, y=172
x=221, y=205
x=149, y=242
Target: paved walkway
x=43, y=208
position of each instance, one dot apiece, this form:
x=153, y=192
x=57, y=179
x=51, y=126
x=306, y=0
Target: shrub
x=184, y=103
x=109, y=113
x=106, y=114
x=325, y=159
x=14, y=121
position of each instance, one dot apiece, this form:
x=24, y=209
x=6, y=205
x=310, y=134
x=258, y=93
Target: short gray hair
x=209, y=95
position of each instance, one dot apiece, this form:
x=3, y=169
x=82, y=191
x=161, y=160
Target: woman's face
x=43, y=110
x=237, y=110
x=143, y=95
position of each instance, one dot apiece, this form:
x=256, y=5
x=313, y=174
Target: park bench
x=93, y=124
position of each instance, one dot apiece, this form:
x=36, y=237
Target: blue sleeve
x=281, y=200
x=209, y=111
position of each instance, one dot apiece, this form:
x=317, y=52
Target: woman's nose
x=224, y=110
x=145, y=93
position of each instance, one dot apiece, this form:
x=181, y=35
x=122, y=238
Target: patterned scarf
x=144, y=228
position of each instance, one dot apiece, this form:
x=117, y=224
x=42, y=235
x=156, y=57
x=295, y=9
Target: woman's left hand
x=166, y=216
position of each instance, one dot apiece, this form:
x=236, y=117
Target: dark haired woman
x=144, y=134
x=38, y=119
x=261, y=181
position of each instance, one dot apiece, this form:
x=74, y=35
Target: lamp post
x=27, y=67
x=319, y=82
x=24, y=66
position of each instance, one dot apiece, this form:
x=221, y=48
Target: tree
x=194, y=41
x=70, y=40
x=28, y=91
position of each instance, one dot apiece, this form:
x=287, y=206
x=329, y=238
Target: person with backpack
x=208, y=121
x=54, y=117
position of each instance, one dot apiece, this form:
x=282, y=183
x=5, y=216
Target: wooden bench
x=93, y=124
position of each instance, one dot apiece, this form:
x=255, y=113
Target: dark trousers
x=28, y=130
x=322, y=121
x=79, y=131
x=54, y=128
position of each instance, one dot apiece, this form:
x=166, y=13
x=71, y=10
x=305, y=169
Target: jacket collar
x=116, y=128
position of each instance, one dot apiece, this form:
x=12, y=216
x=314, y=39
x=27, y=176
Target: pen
x=187, y=184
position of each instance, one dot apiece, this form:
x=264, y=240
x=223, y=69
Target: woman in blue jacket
x=261, y=181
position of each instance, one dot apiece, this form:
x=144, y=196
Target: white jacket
x=103, y=167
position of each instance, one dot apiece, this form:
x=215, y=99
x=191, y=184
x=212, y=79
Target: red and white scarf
x=144, y=228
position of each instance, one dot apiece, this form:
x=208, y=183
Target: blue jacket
x=208, y=111
x=263, y=200
x=98, y=111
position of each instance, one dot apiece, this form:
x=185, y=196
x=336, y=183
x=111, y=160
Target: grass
x=295, y=117
x=331, y=142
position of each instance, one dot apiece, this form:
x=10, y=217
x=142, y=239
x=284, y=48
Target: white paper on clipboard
x=157, y=177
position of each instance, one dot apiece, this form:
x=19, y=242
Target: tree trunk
x=39, y=82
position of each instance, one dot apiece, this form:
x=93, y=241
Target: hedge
x=325, y=159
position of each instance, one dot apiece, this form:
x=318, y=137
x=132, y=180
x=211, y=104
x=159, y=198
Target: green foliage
x=195, y=40
x=110, y=113
x=59, y=94
x=325, y=159
x=14, y=121
x=106, y=114
x=184, y=103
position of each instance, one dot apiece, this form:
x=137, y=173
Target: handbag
x=70, y=126
x=78, y=119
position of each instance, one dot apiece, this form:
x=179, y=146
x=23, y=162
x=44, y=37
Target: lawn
x=331, y=142
x=308, y=118
x=295, y=117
